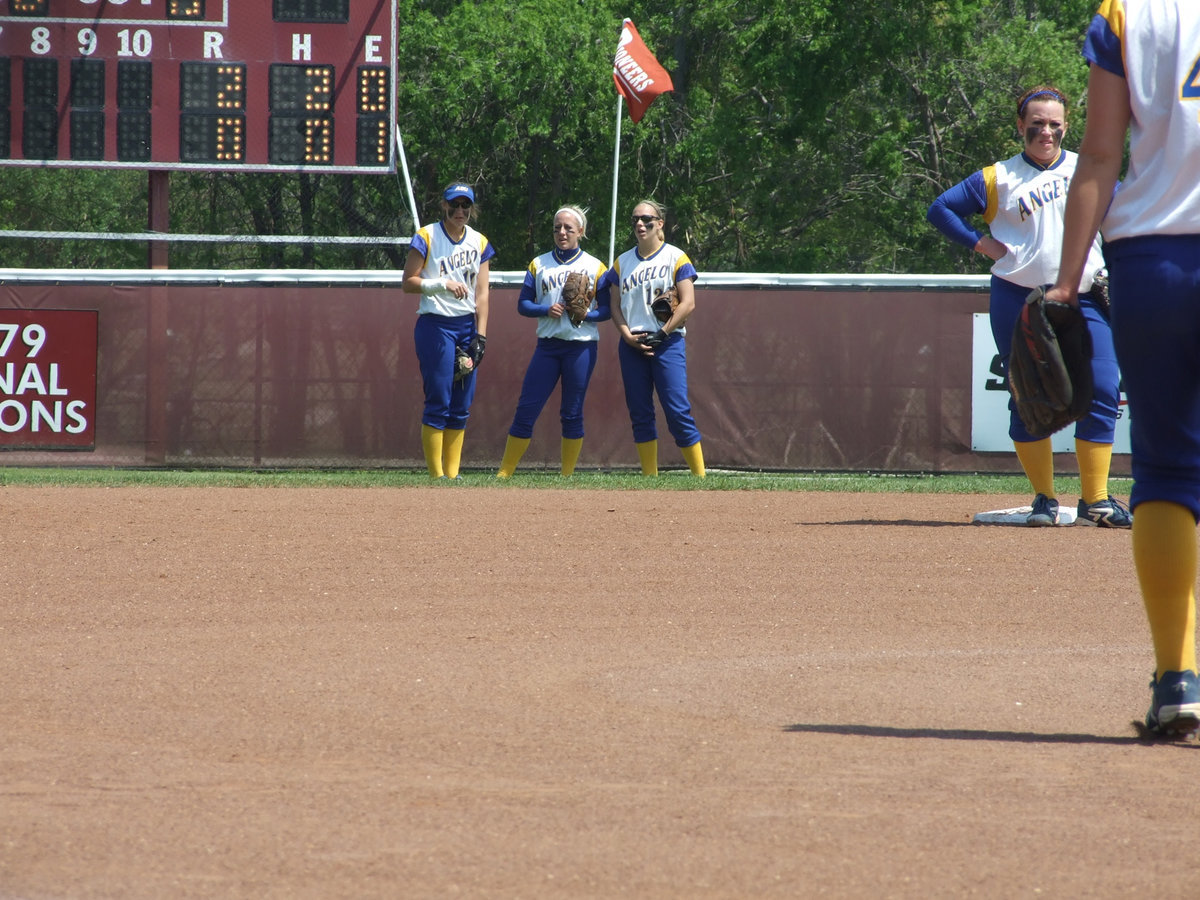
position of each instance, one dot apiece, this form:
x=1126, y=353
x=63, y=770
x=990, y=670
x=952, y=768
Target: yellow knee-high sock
x=1094, y=463
x=1164, y=553
x=694, y=457
x=1037, y=459
x=452, y=445
x=570, y=454
x=431, y=444
x=648, y=457
x=514, y=449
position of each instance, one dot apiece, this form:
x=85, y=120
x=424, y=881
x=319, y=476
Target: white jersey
x=1025, y=206
x=548, y=276
x=1154, y=43
x=640, y=279
x=453, y=260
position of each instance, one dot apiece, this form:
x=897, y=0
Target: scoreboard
x=234, y=85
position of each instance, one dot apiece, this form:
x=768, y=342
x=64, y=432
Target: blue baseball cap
x=459, y=190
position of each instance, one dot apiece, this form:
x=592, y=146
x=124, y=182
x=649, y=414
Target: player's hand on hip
x=991, y=248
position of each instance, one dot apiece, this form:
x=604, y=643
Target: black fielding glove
x=478, y=344
x=652, y=340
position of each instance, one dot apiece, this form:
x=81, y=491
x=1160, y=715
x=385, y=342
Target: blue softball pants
x=666, y=374
x=1154, y=283
x=1099, y=425
x=447, y=402
x=571, y=361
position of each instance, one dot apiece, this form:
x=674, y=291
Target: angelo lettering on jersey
x=556, y=279
x=644, y=274
x=459, y=259
x=1039, y=197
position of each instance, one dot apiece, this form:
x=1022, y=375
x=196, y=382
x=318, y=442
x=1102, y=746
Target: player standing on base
x=1145, y=78
x=564, y=350
x=448, y=265
x=653, y=354
x=1022, y=200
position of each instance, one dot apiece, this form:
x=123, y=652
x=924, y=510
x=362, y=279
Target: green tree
x=802, y=136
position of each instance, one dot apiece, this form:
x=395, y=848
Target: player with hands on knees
x=448, y=264
x=653, y=350
x=1022, y=200
x=559, y=291
x=1142, y=81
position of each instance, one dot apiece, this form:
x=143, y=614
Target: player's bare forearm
x=687, y=305
x=482, y=298
x=991, y=248
x=1096, y=174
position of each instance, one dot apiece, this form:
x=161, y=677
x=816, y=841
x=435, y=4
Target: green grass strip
x=668, y=480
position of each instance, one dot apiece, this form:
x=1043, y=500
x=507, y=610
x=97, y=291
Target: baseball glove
x=1050, y=369
x=577, y=295
x=664, y=303
x=476, y=349
x=653, y=340
x=464, y=365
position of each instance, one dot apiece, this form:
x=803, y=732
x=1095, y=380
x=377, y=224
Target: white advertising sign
x=989, y=401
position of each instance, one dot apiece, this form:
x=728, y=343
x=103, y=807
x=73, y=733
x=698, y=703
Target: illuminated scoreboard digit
x=185, y=9
x=374, y=139
x=29, y=7
x=301, y=100
x=242, y=85
x=212, y=118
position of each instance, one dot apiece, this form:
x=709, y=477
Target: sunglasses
x=461, y=204
x=645, y=220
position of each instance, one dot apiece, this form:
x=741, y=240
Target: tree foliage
x=802, y=136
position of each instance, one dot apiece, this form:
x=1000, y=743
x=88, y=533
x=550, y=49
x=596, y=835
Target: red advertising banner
x=48, y=379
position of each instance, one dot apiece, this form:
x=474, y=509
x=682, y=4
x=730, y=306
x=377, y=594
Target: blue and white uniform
x=1153, y=233
x=1022, y=202
x=445, y=321
x=564, y=351
x=666, y=371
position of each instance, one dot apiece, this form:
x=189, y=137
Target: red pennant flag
x=637, y=74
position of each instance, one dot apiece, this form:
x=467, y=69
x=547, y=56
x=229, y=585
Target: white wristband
x=432, y=285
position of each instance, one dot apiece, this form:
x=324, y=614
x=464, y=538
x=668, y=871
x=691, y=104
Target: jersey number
x=1190, y=90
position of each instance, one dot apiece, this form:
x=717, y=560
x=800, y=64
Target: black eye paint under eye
x=1034, y=131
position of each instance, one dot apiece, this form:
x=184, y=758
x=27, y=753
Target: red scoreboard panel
x=236, y=85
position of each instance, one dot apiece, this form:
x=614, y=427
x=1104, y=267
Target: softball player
x=653, y=355
x=564, y=351
x=1022, y=201
x=1145, y=79
x=448, y=265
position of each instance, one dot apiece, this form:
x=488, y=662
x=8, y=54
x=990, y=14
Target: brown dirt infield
x=434, y=692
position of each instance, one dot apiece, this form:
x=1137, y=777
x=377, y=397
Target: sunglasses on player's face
x=645, y=220
x=461, y=203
